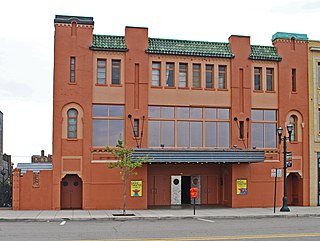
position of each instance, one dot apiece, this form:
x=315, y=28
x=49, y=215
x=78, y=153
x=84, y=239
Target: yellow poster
x=242, y=188
x=136, y=188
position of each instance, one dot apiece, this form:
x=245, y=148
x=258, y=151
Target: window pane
x=211, y=113
x=183, y=113
x=270, y=115
x=269, y=79
x=223, y=114
x=196, y=113
x=223, y=134
x=167, y=112
x=154, y=111
x=196, y=76
x=257, y=135
x=99, y=110
x=270, y=135
x=167, y=133
x=116, y=71
x=183, y=134
x=156, y=73
x=211, y=134
x=154, y=133
x=116, y=128
x=182, y=75
x=257, y=114
x=209, y=76
x=222, y=77
x=99, y=132
x=196, y=134
x=116, y=110
x=257, y=78
x=169, y=74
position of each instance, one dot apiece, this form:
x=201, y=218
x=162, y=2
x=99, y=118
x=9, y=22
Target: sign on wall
x=242, y=188
x=136, y=188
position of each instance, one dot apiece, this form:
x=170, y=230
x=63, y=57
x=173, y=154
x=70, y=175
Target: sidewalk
x=155, y=214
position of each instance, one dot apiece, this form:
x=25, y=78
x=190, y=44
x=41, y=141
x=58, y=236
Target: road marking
x=244, y=237
x=205, y=220
x=63, y=223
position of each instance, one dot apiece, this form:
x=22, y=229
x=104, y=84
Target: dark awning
x=200, y=156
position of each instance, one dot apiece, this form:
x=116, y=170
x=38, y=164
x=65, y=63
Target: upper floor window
x=270, y=79
x=196, y=76
x=257, y=78
x=72, y=69
x=222, y=77
x=169, y=74
x=183, y=75
x=209, y=76
x=72, y=123
x=156, y=73
x=293, y=120
x=293, y=80
x=264, y=124
x=319, y=75
x=101, y=71
x=116, y=70
x=107, y=124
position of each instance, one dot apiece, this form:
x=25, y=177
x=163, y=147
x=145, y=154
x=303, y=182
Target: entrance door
x=185, y=192
x=71, y=192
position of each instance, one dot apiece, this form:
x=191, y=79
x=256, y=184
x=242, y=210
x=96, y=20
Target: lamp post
x=285, y=207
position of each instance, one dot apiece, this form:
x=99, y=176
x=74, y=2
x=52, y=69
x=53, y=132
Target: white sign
x=275, y=172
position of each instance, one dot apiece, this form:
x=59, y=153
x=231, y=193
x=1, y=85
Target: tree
x=126, y=164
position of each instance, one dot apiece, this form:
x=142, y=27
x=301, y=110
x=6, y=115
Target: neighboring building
x=206, y=112
x=41, y=158
x=1, y=134
x=314, y=117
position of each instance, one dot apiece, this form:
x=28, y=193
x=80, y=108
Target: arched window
x=72, y=123
x=294, y=122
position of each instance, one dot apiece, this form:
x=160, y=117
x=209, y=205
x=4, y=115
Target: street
x=277, y=228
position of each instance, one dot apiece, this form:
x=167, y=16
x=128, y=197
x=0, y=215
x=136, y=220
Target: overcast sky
x=27, y=35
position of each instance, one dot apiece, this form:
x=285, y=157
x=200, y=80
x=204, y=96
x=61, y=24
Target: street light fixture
x=285, y=207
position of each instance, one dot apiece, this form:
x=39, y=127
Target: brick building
x=206, y=112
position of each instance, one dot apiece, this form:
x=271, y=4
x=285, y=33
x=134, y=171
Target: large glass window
x=222, y=77
x=263, y=128
x=169, y=74
x=156, y=73
x=116, y=70
x=192, y=126
x=72, y=123
x=107, y=124
x=101, y=71
x=183, y=75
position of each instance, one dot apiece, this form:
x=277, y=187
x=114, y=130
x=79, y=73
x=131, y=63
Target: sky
x=27, y=46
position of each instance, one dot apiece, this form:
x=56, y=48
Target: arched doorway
x=71, y=192
x=294, y=189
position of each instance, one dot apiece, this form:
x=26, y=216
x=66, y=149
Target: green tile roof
x=264, y=53
x=190, y=48
x=108, y=42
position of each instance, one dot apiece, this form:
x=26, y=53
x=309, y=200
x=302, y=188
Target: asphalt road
x=280, y=228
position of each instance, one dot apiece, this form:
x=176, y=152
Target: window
x=183, y=75
x=72, y=123
x=156, y=73
x=294, y=80
x=116, y=64
x=319, y=75
x=136, y=128
x=72, y=69
x=209, y=76
x=101, y=71
x=222, y=77
x=196, y=76
x=293, y=120
x=263, y=128
x=170, y=74
x=257, y=78
x=107, y=124
x=192, y=127
x=270, y=79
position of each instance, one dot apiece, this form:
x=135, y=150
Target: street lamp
x=285, y=207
